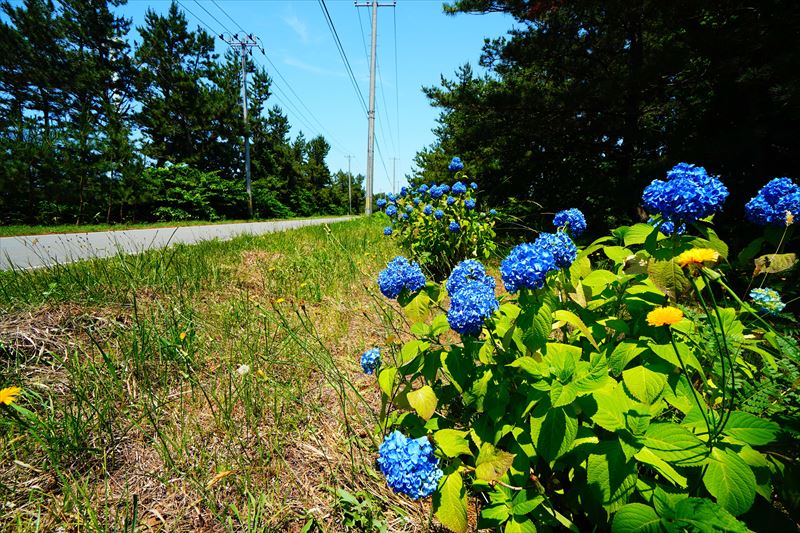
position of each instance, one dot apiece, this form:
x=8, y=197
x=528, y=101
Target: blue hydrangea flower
x=467, y=271
x=403, y=191
x=428, y=209
x=470, y=307
x=409, y=465
x=687, y=195
x=667, y=227
x=436, y=192
x=438, y=214
x=571, y=219
x=422, y=189
x=459, y=188
x=371, y=360
x=560, y=245
x=387, y=230
x=417, y=200
x=775, y=199
x=391, y=210
x=381, y=203
x=400, y=274
x=469, y=203
x=445, y=188
x=493, y=212
x=473, y=186
x=455, y=165
x=526, y=266
x=767, y=300
x=404, y=216
x=454, y=227
x=450, y=200
x=392, y=197
x=409, y=209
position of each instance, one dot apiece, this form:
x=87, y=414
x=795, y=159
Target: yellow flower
x=789, y=218
x=9, y=395
x=182, y=335
x=664, y=316
x=697, y=256
x=280, y=300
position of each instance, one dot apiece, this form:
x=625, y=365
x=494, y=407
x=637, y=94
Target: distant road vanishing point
x=35, y=251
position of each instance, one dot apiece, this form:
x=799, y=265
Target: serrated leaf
x=571, y=318
x=774, y=263
x=701, y=514
x=751, y=429
x=624, y=352
x=424, y=401
x=645, y=384
x=618, y=254
x=417, y=307
x=536, y=320
x=452, y=442
x=730, y=480
x=411, y=350
x=529, y=365
x=645, y=455
x=669, y=277
x=598, y=280
x=555, y=434
x=667, y=353
x=638, y=233
x=492, y=463
x=439, y=325
x=636, y=518
x=610, y=477
x=525, y=501
x=450, y=503
x=611, y=408
x=519, y=524
x=675, y=444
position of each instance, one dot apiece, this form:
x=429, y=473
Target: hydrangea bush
x=440, y=224
x=607, y=387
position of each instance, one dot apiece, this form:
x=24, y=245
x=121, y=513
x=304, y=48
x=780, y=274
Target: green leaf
x=638, y=233
x=624, y=352
x=439, y=325
x=424, y=401
x=668, y=276
x=618, y=254
x=492, y=463
x=530, y=366
x=457, y=366
x=636, y=518
x=701, y=514
x=610, y=477
x=411, y=350
x=494, y=515
x=417, y=307
x=751, y=429
x=571, y=318
x=563, y=359
x=611, y=408
x=450, y=503
x=525, y=501
x=598, y=280
x=675, y=444
x=667, y=353
x=774, y=263
x=519, y=524
x=386, y=380
x=561, y=395
x=730, y=480
x=645, y=455
x=555, y=434
x=536, y=321
x=452, y=442
x=645, y=384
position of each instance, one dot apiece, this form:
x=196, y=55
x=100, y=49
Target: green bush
x=185, y=193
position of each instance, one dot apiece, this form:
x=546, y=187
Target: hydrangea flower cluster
x=455, y=165
x=450, y=200
x=667, y=227
x=400, y=274
x=467, y=271
x=473, y=186
x=469, y=203
x=381, y=203
x=428, y=209
x=458, y=188
x=560, y=245
x=767, y=300
x=391, y=210
x=371, y=360
x=454, y=227
x=526, y=266
x=571, y=219
x=437, y=191
x=470, y=306
x=776, y=203
x=409, y=465
x=439, y=214
x=688, y=194
x=387, y=230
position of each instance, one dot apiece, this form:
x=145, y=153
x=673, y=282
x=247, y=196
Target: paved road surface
x=45, y=250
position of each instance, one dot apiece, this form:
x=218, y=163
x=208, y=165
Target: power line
x=396, y=82
x=342, y=53
x=201, y=21
x=227, y=15
x=224, y=27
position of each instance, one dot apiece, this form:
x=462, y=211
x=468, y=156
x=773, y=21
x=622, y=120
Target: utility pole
x=394, y=176
x=244, y=45
x=349, y=185
x=374, y=4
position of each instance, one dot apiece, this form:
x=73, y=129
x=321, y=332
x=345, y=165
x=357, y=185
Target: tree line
x=94, y=129
x=585, y=102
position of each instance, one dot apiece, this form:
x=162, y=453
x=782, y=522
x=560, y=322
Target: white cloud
x=299, y=27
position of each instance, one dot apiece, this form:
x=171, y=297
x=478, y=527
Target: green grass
x=18, y=230
x=213, y=386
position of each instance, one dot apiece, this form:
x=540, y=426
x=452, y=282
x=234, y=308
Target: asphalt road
x=36, y=251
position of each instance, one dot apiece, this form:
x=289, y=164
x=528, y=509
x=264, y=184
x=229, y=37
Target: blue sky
x=298, y=42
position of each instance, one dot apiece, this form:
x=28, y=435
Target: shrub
x=604, y=389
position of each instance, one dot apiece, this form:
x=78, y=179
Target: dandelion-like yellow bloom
x=183, y=335
x=664, y=316
x=789, y=218
x=9, y=395
x=280, y=300
x=697, y=256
